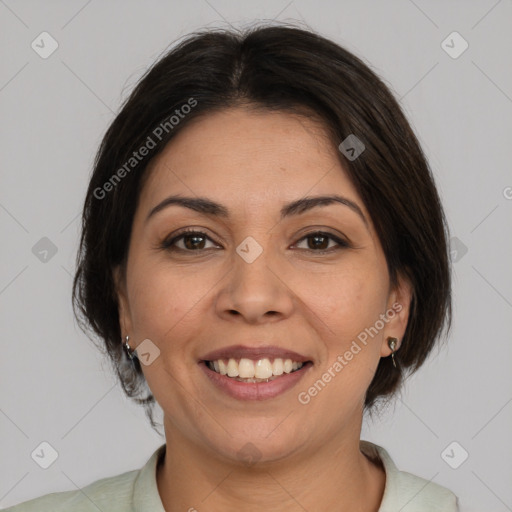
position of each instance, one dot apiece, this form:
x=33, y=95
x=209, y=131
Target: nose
x=255, y=292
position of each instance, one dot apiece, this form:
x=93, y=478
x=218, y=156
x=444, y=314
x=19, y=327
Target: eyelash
x=169, y=243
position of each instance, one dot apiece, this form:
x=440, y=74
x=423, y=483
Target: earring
x=129, y=351
x=392, y=345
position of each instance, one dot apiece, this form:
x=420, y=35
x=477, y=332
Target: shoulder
x=113, y=494
x=132, y=490
x=408, y=491
x=424, y=495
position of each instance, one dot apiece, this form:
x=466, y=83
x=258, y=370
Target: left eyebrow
x=307, y=203
x=209, y=207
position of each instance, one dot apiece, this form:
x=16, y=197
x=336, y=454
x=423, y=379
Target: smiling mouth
x=255, y=371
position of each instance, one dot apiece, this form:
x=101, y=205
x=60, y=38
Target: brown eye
x=188, y=241
x=319, y=242
x=193, y=241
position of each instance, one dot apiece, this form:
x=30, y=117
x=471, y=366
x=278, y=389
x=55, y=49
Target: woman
x=264, y=253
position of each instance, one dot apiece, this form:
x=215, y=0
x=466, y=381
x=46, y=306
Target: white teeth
x=245, y=368
x=263, y=369
x=277, y=367
x=249, y=369
x=232, y=368
x=222, y=367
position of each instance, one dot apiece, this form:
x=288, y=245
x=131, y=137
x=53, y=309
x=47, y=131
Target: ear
x=397, y=312
x=119, y=276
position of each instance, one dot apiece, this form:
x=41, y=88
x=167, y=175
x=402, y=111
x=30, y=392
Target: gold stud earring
x=392, y=345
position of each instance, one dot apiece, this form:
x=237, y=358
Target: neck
x=333, y=476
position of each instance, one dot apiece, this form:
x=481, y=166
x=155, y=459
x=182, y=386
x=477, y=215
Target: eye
x=196, y=241
x=188, y=240
x=319, y=241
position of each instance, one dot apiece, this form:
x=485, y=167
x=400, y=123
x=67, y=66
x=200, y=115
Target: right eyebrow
x=198, y=204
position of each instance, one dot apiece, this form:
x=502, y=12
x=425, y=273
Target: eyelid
x=340, y=241
x=169, y=242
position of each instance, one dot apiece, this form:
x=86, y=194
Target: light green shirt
x=137, y=491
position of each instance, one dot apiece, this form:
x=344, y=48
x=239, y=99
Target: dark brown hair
x=282, y=68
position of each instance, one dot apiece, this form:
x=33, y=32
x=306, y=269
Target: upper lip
x=255, y=353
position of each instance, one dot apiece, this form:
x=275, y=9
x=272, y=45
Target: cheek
x=165, y=300
x=346, y=300
x=349, y=304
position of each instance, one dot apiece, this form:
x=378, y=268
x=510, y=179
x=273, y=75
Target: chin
x=256, y=445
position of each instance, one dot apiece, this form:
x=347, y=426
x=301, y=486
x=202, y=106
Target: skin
x=292, y=296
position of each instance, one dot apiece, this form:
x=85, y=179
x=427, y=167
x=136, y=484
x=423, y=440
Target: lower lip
x=255, y=390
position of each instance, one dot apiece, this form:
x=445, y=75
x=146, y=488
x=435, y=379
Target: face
x=255, y=272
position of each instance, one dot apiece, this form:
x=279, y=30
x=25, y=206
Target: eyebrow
x=209, y=207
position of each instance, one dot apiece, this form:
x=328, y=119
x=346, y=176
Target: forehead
x=249, y=157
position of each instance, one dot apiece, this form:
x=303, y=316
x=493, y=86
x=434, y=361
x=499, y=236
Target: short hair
x=280, y=68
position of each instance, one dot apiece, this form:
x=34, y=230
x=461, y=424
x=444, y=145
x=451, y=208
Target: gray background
x=54, y=111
